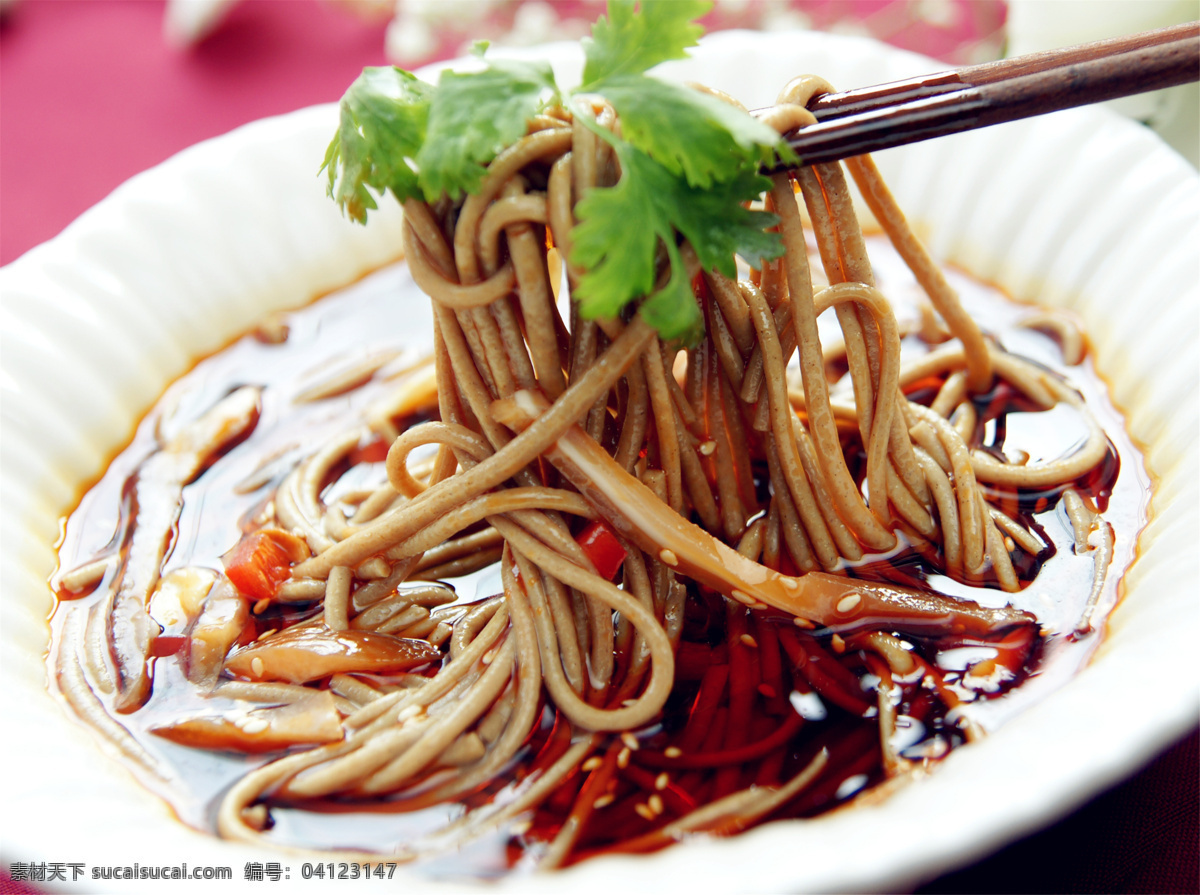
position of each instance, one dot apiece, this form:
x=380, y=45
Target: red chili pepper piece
x=600, y=544
x=374, y=451
x=167, y=645
x=261, y=561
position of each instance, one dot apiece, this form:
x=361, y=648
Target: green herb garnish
x=384, y=115
x=688, y=160
x=474, y=116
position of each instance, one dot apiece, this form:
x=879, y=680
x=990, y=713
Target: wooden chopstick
x=836, y=105
x=887, y=115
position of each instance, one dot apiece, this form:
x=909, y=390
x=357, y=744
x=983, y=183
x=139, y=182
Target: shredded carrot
x=770, y=664
x=828, y=677
x=712, y=689
x=693, y=760
x=743, y=687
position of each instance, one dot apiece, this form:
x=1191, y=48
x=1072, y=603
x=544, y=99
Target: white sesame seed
x=606, y=799
x=741, y=597
x=629, y=740
x=655, y=803
x=623, y=758
x=592, y=763
x=759, y=605
x=628, y=702
x=668, y=556
x=672, y=752
x=488, y=656
x=839, y=645
x=707, y=448
x=790, y=583
x=802, y=622
x=662, y=780
x=848, y=603
x=254, y=725
x=644, y=811
x=256, y=816
x=261, y=606
x=256, y=665
x=749, y=641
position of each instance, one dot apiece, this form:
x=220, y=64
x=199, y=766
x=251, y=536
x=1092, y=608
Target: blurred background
x=94, y=91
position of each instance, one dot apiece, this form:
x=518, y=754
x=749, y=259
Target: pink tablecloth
x=90, y=95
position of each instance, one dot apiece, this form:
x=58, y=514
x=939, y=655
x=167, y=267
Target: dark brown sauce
x=743, y=711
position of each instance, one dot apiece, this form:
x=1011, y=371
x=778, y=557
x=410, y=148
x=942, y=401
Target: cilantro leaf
x=629, y=42
x=673, y=310
x=621, y=227
x=618, y=233
x=382, y=127
x=689, y=132
x=718, y=226
x=474, y=116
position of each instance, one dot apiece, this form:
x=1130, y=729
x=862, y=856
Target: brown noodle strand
x=843, y=489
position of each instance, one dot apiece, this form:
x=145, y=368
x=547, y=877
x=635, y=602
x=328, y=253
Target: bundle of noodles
x=631, y=490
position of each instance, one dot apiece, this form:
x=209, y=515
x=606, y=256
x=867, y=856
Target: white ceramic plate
x=1080, y=209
